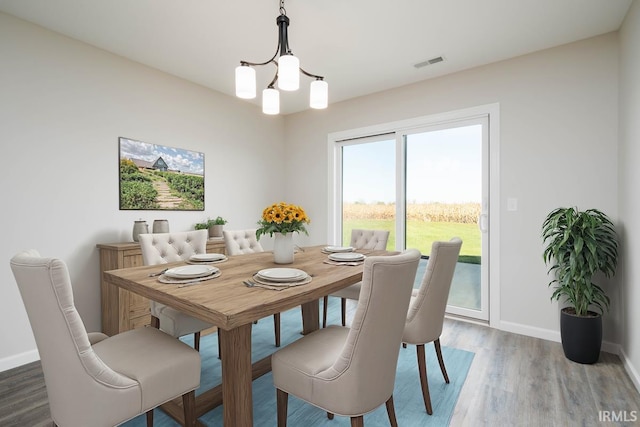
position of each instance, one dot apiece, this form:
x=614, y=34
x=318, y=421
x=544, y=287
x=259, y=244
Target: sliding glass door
x=423, y=184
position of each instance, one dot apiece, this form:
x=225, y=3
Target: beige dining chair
x=351, y=371
x=240, y=242
x=374, y=240
x=425, y=317
x=92, y=379
x=163, y=248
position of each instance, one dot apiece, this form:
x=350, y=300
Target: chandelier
x=287, y=75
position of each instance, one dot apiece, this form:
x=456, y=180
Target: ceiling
x=360, y=46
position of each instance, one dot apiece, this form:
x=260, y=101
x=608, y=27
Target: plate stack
x=346, y=257
x=207, y=258
x=189, y=273
x=337, y=249
x=282, y=277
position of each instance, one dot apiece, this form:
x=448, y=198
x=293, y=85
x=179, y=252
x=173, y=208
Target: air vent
x=429, y=62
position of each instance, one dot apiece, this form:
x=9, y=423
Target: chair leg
x=325, y=303
x=155, y=322
x=282, y=399
x=196, y=341
x=391, y=412
x=344, y=311
x=357, y=421
x=436, y=344
x=422, y=369
x=276, y=327
x=150, y=418
x=329, y=415
x=189, y=405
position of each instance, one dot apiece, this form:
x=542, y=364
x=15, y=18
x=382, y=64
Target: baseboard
x=530, y=331
x=633, y=373
x=18, y=360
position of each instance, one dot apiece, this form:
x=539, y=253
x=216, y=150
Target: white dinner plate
x=282, y=274
x=191, y=271
x=347, y=256
x=207, y=257
x=337, y=249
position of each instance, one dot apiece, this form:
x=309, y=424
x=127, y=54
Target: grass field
x=426, y=223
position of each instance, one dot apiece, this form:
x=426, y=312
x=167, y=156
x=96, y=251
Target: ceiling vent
x=429, y=62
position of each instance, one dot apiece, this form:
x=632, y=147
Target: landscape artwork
x=157, y=177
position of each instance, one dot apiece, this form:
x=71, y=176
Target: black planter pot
x=581, y=336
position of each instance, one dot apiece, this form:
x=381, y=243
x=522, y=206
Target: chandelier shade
x=270, y=101
x=319, y=94
x=287, y=74
x=245, y=82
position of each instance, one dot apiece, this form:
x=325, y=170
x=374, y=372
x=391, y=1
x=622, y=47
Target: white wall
x=629, y=177
x=63, y=105
x=559, y=131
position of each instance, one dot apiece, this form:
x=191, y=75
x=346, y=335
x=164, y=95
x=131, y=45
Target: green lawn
x=421, y=234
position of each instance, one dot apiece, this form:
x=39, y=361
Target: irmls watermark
x=618, y=416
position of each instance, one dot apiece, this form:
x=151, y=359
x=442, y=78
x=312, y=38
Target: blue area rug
x=407, y=395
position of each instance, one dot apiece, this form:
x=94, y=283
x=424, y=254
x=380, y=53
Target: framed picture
x=156, y=177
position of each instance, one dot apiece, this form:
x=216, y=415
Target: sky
x=442, y=166
x=177, y=158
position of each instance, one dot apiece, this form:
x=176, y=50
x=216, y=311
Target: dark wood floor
x=514, y=381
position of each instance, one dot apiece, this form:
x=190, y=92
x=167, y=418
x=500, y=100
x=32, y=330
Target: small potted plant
x=578, y=244
x=215, y=230
x=213, y=225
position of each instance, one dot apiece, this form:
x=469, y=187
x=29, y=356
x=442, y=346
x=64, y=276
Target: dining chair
x=425, y=317
x=351, y=371
x=240, y=242
x=163, y=248
x=374, y=240
x=92, y=379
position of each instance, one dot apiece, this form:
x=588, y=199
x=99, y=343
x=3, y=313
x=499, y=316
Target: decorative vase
x=160, y=226
x=139, y=227
x=283, y=248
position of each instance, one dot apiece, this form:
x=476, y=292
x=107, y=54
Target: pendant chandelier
x=287, y=74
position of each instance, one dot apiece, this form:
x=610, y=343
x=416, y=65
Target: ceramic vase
x=283, y=248
x=160, y=226
x=139, y=227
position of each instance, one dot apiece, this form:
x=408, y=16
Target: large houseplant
x=579, y=244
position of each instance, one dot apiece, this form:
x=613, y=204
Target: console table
x=121, y=309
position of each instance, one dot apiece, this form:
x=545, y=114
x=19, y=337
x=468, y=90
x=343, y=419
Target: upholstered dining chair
x=92, y=379
x=240, y=242
x=351, y=371
x=374, y=240
x=163, y=248
x=425, y=317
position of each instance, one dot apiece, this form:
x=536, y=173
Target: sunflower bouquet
x=282, y=218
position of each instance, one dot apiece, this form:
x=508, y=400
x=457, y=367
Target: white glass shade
x=288, y=72
x=319, y=94
x=245, y=82
x=270, y=101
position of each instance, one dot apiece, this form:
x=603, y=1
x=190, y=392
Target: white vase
x=283, y=248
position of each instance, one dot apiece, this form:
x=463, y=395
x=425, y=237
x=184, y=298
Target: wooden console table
x=123, y=310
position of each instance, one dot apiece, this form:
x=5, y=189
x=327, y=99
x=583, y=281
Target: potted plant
x=213, y=225
x=578, y=244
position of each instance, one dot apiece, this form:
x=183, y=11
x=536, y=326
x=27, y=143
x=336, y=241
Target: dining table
x=233, y=307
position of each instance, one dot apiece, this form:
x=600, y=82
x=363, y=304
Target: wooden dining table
x=229, y=304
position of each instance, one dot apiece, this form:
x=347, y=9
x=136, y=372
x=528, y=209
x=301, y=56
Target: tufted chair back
x=240, y=242
x=369, y=239
x=162, y=248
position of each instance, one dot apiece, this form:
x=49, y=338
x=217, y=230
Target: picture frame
x=159, y=177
